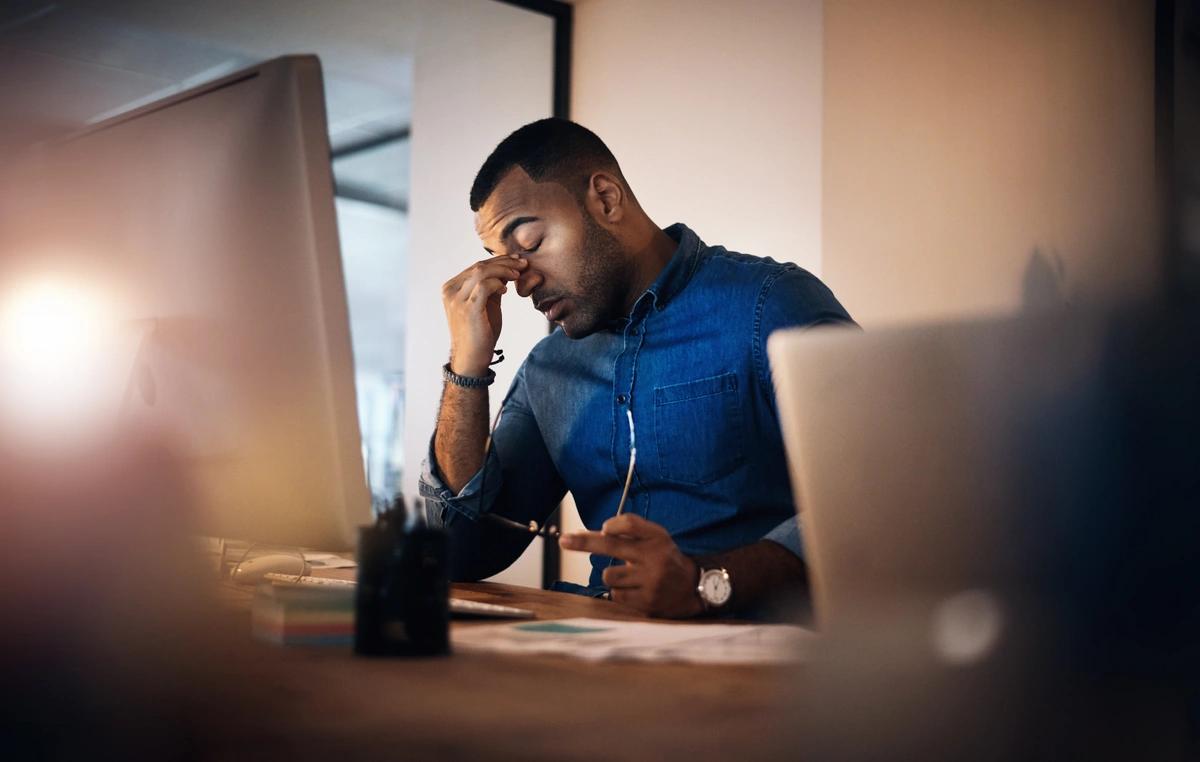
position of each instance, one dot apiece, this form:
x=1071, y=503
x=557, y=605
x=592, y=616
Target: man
x=660, y=342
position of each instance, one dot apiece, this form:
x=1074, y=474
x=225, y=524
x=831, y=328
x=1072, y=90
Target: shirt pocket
x=698, y=429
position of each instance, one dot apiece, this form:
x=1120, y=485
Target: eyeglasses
x=607, y=594
x=632, y=461
x=552, y=531
x=532, y=527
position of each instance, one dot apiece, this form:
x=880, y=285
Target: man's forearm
x=760, y=573
x=462, y=431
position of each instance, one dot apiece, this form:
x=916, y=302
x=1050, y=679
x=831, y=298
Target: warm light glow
x=57, y=342
x=51, y=329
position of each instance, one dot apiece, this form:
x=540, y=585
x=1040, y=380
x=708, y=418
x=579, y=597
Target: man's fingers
x=618, y=577
x=606, y=545
x=503, y=268
x=633, y=597
x=503, y=274
x=485, y=289
x=632, y=525
x=487, y=265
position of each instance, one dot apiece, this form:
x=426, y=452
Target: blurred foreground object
x=112, y=640
x=101, y=601
x=1006, y=567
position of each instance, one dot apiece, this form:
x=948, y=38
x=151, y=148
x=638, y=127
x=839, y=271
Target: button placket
x=625, y=371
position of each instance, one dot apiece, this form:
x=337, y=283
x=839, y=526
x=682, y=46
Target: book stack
x=303, y=615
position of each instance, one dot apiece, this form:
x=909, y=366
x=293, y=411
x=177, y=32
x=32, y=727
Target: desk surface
x=324, y=701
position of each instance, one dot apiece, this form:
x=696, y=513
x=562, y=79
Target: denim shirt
x=690, y=363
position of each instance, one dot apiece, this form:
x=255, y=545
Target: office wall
x=714, y=111
x=481, y=70
x=986, y=156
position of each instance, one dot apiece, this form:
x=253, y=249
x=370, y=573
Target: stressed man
x=659, y=344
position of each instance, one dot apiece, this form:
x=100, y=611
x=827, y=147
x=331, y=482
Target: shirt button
x=622, y=399
x=633, y=331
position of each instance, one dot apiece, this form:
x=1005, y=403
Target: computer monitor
x=207, y=220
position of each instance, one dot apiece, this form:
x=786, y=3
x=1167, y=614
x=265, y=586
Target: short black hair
x=548, y=149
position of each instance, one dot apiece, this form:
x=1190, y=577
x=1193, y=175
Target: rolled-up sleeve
x=444, y=507
x=788, y=535
x=518, y=480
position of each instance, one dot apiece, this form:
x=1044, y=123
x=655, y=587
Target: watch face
x=715, y=587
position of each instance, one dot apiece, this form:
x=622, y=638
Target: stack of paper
x=602, y=640
x=289, y=614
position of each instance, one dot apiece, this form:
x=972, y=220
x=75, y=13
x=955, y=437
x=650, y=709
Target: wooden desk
x=327, y=702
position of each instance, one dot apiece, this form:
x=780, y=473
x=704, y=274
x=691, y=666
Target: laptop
x=935, y=460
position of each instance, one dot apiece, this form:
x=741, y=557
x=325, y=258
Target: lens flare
x=57, y=358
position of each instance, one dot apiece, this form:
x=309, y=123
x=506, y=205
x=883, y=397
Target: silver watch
x=715, y=588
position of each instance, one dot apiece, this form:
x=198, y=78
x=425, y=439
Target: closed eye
x=532, y=249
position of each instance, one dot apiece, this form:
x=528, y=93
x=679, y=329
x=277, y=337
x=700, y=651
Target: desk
x=475, y=706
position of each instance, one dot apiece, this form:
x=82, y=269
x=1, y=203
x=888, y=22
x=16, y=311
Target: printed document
x=605, y=640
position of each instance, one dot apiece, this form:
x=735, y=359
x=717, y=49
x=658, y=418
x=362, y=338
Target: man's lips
x=551, y=307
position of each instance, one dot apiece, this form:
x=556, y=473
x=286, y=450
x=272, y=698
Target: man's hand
x=472, y=303
x=656, y=578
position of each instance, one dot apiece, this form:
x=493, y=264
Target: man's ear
x=606, y=197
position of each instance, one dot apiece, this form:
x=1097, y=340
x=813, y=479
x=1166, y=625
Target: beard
x=605, y=275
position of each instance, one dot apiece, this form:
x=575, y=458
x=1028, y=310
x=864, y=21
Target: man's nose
x=529, y=280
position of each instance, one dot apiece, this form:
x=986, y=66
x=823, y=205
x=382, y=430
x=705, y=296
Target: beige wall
x=971, y=149
x=713, y=109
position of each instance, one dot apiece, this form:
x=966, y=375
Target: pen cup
x=402, y=596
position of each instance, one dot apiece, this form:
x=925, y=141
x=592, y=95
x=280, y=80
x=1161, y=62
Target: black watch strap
x=467, y=382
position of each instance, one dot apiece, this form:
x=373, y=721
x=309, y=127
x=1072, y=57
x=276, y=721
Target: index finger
x=632, y=525
x=624, y=548
x=505, y=268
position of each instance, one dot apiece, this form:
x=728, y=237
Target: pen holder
x=402, y=597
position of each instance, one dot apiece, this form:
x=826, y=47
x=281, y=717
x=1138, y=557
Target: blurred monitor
x=204, y=223
x=934, y=460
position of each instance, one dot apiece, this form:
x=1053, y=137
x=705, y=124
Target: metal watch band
x=467, y=382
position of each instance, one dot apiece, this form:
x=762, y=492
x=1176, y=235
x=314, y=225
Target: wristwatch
x=715, y=588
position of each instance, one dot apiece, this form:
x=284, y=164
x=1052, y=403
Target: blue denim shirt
x=690, y=363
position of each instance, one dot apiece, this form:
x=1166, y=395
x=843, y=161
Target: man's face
x=578, y=273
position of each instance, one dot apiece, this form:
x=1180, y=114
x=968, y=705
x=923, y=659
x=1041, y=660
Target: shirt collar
x=680, y=269
x=671, y=280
